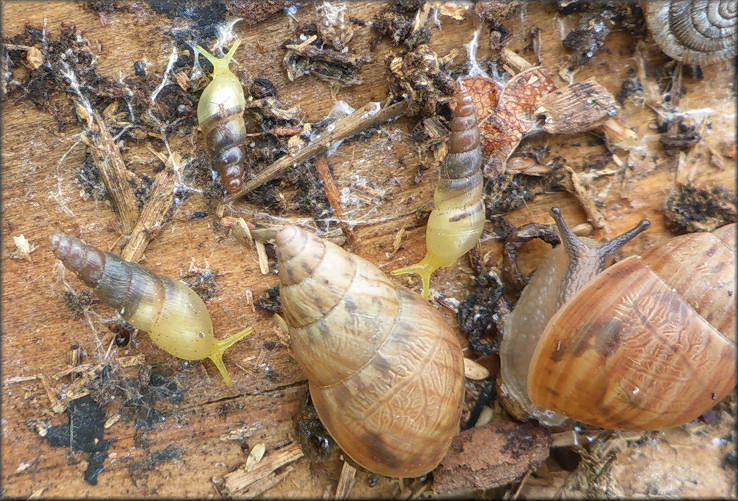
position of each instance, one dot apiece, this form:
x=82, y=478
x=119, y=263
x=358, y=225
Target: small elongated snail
x=648, y=343
x=220, y=115
x=171, y=313
x=385, y=369
x=457, y=220
x=698, y=32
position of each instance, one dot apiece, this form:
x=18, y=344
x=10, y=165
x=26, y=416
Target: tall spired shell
x=171, y=313
x=457, y=220
x=385, y=369
x=220, y=115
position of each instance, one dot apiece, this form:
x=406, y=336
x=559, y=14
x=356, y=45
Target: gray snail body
x=171, y=313
x=385, y=369
x=643, y=345
x=700, y=32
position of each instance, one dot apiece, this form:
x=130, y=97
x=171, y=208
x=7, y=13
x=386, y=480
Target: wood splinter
x=113, y=172
x=334, y=199
x=346, y=482
x=369, y=115
x=264, y=475
x=153, y=214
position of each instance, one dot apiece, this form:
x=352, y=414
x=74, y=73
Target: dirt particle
x=689, y=209
x=202, y=282
x=314, y=440
x=270, y=302
x=481, y=310
x=84, y=432
x=77, y=303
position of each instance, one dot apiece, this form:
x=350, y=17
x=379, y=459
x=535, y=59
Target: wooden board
x=168, y=442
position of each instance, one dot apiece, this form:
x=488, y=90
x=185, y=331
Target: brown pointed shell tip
x=288, y=242
x=463, y=98
x=59, y=245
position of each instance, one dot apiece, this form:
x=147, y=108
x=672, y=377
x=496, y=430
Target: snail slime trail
x=385, y=369
x=220, y=115
x=457, y=220
x=171, y=313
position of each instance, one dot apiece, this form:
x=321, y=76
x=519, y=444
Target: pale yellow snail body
x=385, y=369
x=220, y=115
x=171, y=313
x=648, y=343
x=457, y=220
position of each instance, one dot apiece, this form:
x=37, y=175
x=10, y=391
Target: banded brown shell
x=457, y=220
x=648, y=343
x=220, y=115
x=171, y=313
x=385, y=370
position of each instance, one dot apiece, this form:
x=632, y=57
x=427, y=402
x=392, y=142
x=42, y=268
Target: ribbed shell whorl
x=694, y=31
x=86, y=261
x=315, y=278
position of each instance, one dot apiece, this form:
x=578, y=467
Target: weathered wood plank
x=179, y=454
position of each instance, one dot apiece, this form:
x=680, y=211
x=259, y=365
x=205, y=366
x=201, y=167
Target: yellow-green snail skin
x=220, y=115
x=385, y=369
x=171, y=313
x=457, y=220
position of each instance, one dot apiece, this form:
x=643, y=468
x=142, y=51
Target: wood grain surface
x=174, y=439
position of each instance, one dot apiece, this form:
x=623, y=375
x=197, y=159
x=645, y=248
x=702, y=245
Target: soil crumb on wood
x=84, y=433
x=689, y=209
x=314, y=440
x=488, y=456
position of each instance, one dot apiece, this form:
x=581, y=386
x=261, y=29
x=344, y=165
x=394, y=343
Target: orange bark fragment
x=506, y=115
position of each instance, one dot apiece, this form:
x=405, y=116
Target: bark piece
x=153, y=215
x=506, y=116
x=491, y=455
x=578, y=107
x=113, y=172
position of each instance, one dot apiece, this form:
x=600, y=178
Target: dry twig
x=113, y=172
x=334, y=199
x=360, y=120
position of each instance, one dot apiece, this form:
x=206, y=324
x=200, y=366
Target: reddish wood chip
x=506, y=116
x=488, y=456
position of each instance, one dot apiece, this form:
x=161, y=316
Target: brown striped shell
x=385, y=369
x=220, y=115
x=649, y=343
x=694, y=31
